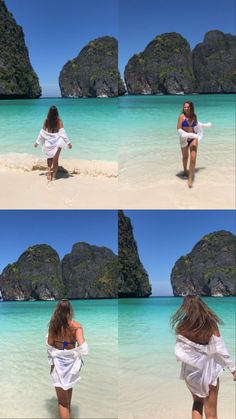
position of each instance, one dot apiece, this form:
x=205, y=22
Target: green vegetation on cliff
x=133, y=279
x=36, y=275
x=209, y=269
x=90, y=272
x=94, y=72
x=17, y=77
x=163, y=67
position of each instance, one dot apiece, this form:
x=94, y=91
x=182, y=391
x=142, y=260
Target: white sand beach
x=212, y=189
x=152, y=394
x=79, y=184
x=95, y=184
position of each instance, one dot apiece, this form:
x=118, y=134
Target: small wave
x=27, y=163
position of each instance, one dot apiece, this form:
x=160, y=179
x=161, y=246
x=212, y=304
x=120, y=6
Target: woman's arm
x=60, y=124
x=180, y=120
x=79, y=334
x=223, y=353
x=50, y=340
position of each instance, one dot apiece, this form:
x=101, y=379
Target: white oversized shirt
x=67, y=364
x=202, y=364
x=51, y=141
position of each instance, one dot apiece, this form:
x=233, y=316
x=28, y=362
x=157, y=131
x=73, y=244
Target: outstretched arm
x=223, y=354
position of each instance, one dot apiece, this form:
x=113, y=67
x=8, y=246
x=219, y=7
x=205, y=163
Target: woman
x=187, y=121
x=202, y=352
x=65, y=345
x=53, y=138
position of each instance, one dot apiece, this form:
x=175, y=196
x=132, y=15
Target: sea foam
x=27, y=163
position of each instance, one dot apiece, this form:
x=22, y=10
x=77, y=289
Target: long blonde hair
x=61, y=317
x=195, y=318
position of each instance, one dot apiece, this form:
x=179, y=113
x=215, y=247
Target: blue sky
x=59, y=229
x=56, y=30
x=163, y=236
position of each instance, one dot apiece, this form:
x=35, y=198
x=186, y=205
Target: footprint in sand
x=69, y=202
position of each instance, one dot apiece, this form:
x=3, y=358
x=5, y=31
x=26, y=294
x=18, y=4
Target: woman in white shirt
x=53, y=138
x=202, y=352
x=65, y=346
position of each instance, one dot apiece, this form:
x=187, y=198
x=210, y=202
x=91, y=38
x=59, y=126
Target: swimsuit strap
x=65, y=343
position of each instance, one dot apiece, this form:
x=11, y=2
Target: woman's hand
x=234, y=375
x=35, y=145
x=69, y=145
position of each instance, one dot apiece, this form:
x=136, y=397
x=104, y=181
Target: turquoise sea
x=90, y=124
x=133, y=334
x=149, y=150
x=25, y=384
x=139, y=131
x=149, y=384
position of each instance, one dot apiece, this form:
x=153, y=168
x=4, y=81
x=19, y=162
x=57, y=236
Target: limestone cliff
x=133, y=279
x=214, y=63
x=36, y=275
x=87, y=272
x=90, y=272
x=209, y=269
x=164, y=67
x=94, y=72
x=17, y=77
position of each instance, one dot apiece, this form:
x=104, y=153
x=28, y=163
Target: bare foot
x=49, y=176
x=185, y=175
x=190, y=183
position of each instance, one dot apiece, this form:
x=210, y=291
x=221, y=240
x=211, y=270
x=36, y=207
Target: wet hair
x=59, y=322
x=195, y=318
x=192, y=114
x=52, y=121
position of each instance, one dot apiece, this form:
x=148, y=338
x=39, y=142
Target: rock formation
x=214, y=63
x=36, y=275
x=17, y=77
x=87, y=272
x=133, y=279
x=94, y=72
x=90, y=272
x=209, y=269
x=164, y=67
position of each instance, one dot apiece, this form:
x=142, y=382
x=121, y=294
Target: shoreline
x=97, y=184
x=80, y=184
x=28, y=163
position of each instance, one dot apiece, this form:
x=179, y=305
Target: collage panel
x=42, y=277
x=177, y=131
x=117, y=209
x=186, y=261
x=58, y=107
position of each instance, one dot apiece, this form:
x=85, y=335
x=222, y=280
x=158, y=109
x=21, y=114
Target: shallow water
x=89, y=123
x=149, y=150
x=25, y=385
x=138, y=131
x=149, y=384
x=146, y=383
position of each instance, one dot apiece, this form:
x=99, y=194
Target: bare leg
x=197, y=409
x=49, y=163
x=70, y=396
x=185, y=159
x=193, y=156
x=63, y=397
x=210, y=402
x=55, y=163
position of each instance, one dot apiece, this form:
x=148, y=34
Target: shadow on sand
x=62, y=173
x=180, y=175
